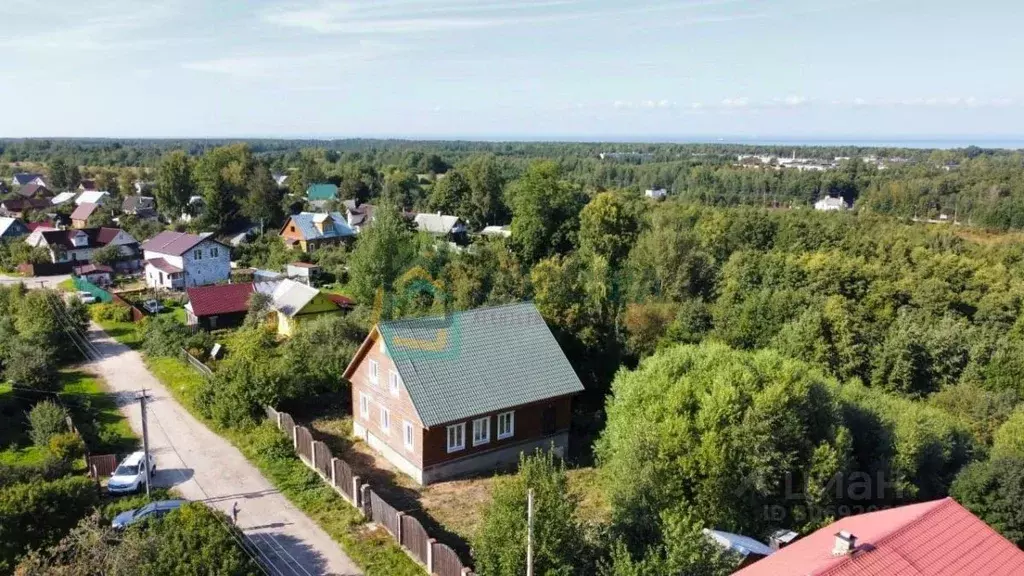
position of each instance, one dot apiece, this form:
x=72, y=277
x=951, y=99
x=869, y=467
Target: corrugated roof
x=32, y=190
x=321, y=192
x=5, y=225
x=468, y=363
x=305, y=223
x=938, y=538
x=220, y=299
x=172, y=243
x=436, y=223
x=97, y=237
x=25, y=177
x=83, y=211
x=63, y=197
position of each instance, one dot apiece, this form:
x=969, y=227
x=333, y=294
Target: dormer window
x=80, y=240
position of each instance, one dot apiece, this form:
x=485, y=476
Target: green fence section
x=83, y=285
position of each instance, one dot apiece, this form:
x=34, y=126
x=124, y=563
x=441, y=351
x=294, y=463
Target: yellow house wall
x=319, y=305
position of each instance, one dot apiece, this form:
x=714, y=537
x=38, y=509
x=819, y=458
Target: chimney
x=845, y=543
x=781, y=538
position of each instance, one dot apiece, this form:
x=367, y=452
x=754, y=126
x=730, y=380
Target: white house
x=440, y=224
x=176, y=260
x=829, y=204
x=26, y=178
x=656, y=193
x=78, y=245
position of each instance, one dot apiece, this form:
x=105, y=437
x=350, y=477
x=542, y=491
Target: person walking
x=234, y=513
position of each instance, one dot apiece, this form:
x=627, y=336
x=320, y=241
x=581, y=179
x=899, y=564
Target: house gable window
x=394, y=382
x=197, y=254
x=374, y=372
x=506, y=425
x=385, y=420
x=481, y=431
x=407, y=434
x=214, y=252
x=456, y=437
x=364, y=406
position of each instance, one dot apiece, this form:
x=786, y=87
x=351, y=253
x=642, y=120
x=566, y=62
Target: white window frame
x=385, y=420
x=460, y=430
x=511, y=417
x=481, y=431
x=374, y=372
x=407, y=438
x=364, y=406
x=394, y=382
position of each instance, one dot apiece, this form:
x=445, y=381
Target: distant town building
x=656, y=193
x=830, y=204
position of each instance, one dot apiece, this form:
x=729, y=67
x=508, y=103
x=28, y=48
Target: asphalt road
x=202, y=466
x=34, y=282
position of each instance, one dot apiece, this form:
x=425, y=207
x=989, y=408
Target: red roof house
x=219, y=305
x=938, y=538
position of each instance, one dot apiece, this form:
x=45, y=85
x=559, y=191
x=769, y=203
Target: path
x=34, y=281
x=203, y=466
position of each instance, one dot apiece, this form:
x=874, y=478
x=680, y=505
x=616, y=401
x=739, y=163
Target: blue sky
x=512, y=68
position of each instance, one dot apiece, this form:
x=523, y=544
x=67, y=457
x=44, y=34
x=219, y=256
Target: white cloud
x=736, y=102
x=282, y=67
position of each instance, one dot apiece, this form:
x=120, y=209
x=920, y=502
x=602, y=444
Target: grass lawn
x=127, y=333
x=268, y=449
x=94, y=412
x=66, y=286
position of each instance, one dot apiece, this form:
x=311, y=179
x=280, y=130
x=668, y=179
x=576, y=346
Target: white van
x=130, y=475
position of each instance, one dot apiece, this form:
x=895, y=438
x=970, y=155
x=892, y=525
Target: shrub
x=164, y=336
x=40, y=514
x=67, y=446
x=49, y=469
x=46, y=420
x=32, y=364
x=111, y=313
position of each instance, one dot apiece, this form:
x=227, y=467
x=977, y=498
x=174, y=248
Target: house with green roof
x=464, y=393
x=320, y=193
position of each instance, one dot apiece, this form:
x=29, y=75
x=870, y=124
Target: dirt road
x=203, y=466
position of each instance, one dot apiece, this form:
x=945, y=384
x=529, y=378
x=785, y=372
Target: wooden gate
x=384, y=514
x=102, y=466
x=446, y=561
x=343, y=477
x=304, y=444
x=414, y=538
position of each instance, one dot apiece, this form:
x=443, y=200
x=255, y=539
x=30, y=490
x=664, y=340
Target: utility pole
x=145, y=439
x=529, y=532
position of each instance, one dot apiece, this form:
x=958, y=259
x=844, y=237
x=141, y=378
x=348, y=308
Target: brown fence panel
x=343, y=477
x=287, y=423
x=415, y=538
x=446, y=561
x=304, y=441
x=137, y=315
x=322, y=459
x=384, y=514
x=101, y=466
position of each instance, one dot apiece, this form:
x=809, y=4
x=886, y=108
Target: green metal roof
x=469, y=363
x=321, y=192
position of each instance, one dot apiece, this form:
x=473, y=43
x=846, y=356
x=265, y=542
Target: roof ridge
x=456, y=313
x=940, y=505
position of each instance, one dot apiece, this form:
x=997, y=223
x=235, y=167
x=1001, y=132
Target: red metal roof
x=938, y=538
x=220, y=299
x=83, y=211
x=342, y=301
x=163, y=265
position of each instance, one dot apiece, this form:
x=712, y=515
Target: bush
x=993, y=490
x=111, y=313
x=46, y=420
x=40, y=513
x=67, y=446
x=47, y=470
x=32, y=364
x=164, y=336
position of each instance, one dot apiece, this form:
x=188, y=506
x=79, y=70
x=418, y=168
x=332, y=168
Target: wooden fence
x=196, y=363
x=445, y=561
x=415, y=538
x=439, y=559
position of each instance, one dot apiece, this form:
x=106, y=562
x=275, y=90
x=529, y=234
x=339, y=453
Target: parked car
x=157, y=509
x=152, y=306
x=130, y=476
x=86, y=298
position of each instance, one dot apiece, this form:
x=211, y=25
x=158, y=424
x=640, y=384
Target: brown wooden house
x=468, y=392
